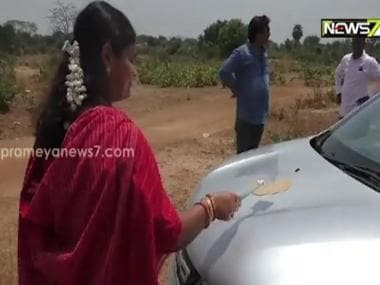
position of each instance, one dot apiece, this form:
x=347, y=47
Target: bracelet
x=212, y=204
x=211, y=209
x=207, y=213
x=208, y=205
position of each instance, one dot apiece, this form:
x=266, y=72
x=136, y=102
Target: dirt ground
x=191, y=131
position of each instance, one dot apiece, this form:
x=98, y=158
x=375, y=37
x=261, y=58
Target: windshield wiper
x=363, y=173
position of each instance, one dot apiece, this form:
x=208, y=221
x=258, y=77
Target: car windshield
x=354, y=145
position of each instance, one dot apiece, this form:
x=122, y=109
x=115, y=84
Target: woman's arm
x=193, y=221
x=221, y=206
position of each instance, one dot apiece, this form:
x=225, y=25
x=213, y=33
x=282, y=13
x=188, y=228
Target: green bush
x=7, y=94
x=314, y=75
x=7, y=83
x=177, y=74
x=277, y=72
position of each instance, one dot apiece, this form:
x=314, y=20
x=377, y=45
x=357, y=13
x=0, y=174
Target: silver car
x=324, y=230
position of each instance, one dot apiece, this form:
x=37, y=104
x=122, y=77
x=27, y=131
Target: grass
x=320, y=98
x=307, y=116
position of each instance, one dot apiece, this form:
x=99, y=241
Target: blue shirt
x=246, y=73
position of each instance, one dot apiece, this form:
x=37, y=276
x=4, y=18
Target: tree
x=189, y=47
x=288, y=45
x=173, y=45
x=211, y=33
x=23, y=27
x=297, y=33
x=8, y=40
x=311, y=42
x=231, y=35
x=162, y=40
x=208, y=41
x=62, y=17
x=58, y=38
x=150, y=41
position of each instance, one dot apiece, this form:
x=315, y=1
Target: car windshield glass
x=354, y=146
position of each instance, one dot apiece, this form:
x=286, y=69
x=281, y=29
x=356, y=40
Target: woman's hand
x=222, y=205
x=226, y=204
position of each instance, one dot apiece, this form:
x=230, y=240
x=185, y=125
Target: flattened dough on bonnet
x=273, y=188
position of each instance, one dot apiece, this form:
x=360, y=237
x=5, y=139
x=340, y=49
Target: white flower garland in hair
x=76, y=91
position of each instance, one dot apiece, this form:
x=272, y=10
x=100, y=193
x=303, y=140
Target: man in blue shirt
x=245, y=72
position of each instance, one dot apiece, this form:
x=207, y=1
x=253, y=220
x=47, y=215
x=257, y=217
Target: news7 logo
x=349, y=28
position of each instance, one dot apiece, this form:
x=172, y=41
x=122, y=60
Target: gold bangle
x=212, y=204
x=206, y=211
x=212, y=213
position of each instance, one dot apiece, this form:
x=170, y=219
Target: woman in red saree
x=93, y=217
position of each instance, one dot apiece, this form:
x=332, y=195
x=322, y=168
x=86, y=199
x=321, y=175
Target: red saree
x=96, y=220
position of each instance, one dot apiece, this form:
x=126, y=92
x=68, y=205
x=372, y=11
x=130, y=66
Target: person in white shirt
x=354, y=75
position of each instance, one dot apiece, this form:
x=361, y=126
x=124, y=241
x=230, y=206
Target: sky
x=188, y=18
